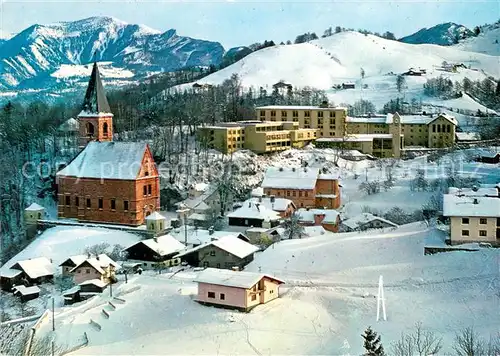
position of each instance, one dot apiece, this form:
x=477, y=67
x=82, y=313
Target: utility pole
x=53, y=319
x=111, y=289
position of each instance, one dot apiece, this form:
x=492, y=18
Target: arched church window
x=90, y=128
x=105, y=129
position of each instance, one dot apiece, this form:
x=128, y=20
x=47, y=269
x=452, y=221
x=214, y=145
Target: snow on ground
x=59, y=243
x=486, y=42
x=106, y=70
x=328, y=301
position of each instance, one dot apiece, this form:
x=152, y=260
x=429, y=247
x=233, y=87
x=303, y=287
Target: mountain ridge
x=443, y=34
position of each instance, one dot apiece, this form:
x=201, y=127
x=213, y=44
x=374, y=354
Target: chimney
x=475, y=201
x=281, y=169
x=293, y=169
x=272, y=198
x=475, y=188
x=211, y=230
x=97, y=257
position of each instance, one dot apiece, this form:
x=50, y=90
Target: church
x=107, y=182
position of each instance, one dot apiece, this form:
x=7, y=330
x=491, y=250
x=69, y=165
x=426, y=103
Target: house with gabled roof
x=152, y=251
x=27, y=272
x=70, y=263
x=111, y=182
x=253, y=214
x=99, y=267
x=236, y=289
x=226, y=252
x=366, y=221
x=283, y=206
x=329, y=219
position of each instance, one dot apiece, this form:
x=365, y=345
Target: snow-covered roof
x=10, y=273
x=474, y=192
x=298, y=107
x=198, y=203
x=72, y=290
x=155, y=217
x=163, y=245
x=99, y=263
x=279, y=204
x=35, y=267
x=405, y=119
x=69, y=125
x=76, y=260
x=23, y=290
x=107, y=160
x=467, y=136
x=313, y=230
x=466, y=206
x=201, y=187
x=228, y=278
x=308, y=215
x=328, y=176
x=229, y=243
x=197, y=236
x=251, y=210
x=96, y=282
x=258, y=192
x=34, y=207
x=292, y=178
x=198, y=217
x=364, y=218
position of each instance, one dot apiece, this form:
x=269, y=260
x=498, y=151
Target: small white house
x=366, y=221
x=33, y=213
x=156, y=222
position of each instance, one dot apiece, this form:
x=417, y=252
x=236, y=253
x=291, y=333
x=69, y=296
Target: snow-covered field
x=328, y=301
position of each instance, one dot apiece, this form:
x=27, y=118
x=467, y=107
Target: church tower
x=95, y=119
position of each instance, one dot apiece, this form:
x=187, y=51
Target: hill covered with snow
x=486, y=42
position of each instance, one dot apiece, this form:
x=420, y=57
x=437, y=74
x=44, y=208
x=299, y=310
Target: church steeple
x=96, y=119
x=95, y=98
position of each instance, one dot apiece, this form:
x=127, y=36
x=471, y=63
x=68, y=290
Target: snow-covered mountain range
x=444, y=34
x=36, y=57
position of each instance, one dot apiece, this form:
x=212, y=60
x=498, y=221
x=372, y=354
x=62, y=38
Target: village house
x=467, y=137
x=100, y=267
x=226, y=252
x=284, y=207
x=489, y=157
x=254, y=214
x=91, y=287
x=329, y=219
x=111, y=182
x=150, y=252
x=26, y=293
x=27, y=272
x=472, y=218
x=366, y=221
x=191, y=236
x=71, y=263
x=306, y=187
x=236, y=289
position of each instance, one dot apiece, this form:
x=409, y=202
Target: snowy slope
x=444, y=34
x=333, y=60
x=486, y=42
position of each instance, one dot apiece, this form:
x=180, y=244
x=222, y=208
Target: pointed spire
x=95, y=98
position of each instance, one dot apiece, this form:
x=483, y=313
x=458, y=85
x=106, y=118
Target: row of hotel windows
x=293, y=193
x=100, y=203
x=482, y=221
x=441, y=128
x=482, y=233
x=295, y=113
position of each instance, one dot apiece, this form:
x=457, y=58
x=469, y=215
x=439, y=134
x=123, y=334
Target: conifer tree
x=372, y=344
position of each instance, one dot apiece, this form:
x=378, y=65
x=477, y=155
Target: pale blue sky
x=240, y=22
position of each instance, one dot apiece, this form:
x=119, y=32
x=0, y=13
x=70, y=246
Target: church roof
x=95, y=101
x=107, y=160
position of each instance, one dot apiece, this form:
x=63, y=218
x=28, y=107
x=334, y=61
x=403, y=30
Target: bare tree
x=418, y=343
x=292, y=226
x=469, y=343
x=96, y=249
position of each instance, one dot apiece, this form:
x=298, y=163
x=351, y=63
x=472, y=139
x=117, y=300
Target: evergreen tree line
x=486, y=91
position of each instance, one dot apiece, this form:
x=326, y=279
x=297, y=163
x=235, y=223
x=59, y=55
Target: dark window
x=433, y=128
x=113, y=204
x=482, y=233
x=145, y=190
x=100, y=203
x=305, y=194
x=90, y=129
x=307, y=113
x=88, y=203
x=439, y=128
x=105, y=129
x=212, y=253
x=448, y=128
x=222, y=296
x=465, y=232
x=87, y=270
x=149, y=188
x=465, y=221
x=68, y=200
x=146, y=174
x=483, y=221
x=218, y=265
x=254, y=297
x=125, y=205
x=211, y=294
x=77, y=201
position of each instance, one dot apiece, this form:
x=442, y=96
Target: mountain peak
x=444, y=34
